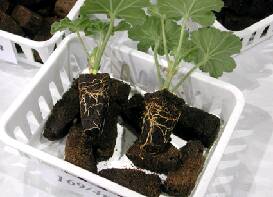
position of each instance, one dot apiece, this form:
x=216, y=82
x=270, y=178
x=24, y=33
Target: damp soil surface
x=88, y=114
x=32, y=18
x=240, y=14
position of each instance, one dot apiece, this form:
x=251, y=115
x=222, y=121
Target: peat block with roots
x=161, y=114
x=94, y=95
x=119, y=93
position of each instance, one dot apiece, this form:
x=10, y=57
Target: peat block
x=161, y=114
x=94, y=95
x=7, y=23
x=182, y=181
x=195, y=124
x=163, y=162
x=78, y=149
x=63, y=114
x=146, y=184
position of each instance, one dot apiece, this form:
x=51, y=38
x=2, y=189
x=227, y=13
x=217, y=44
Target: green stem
x=82, y=43
x=172, y=65
x=158, y=66
x=178, y=50
x=103, y=46
x=162, y=19
x=183, y=79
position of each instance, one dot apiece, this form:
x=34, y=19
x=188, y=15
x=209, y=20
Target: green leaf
x=147, y=34
x=64, y=24
x=85, y=24
x=215, y=48
x=130, y=10
x=199, y=11
x=122, y=26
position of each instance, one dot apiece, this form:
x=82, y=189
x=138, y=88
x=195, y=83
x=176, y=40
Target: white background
x=246, y=168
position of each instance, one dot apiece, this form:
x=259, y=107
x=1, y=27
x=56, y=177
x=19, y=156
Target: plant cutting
x=92, y=125
x=210, y=50
x=100, y=96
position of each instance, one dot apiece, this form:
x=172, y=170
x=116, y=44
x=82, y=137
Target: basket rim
x=57, y=162
x=40, y=44
x=254, y=27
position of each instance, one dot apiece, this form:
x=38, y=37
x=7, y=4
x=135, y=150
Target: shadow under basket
x=22, y=124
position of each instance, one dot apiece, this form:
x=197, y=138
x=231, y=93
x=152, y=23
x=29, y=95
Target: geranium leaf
x=130, y=10
x=200, y=11
x=216, y=48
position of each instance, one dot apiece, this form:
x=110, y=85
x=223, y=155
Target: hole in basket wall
x=65, y=79
x=44, y=107
x=252, y=38
x=75, y=69
x=18, y=48
x=33, y=122
x=54, y=92
x=36, y=56
x=265, y=31
x=20, y=136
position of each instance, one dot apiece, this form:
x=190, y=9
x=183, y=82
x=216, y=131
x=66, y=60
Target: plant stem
x=82, y=43
x=181, y=38
x=158, y=66
x=187, y=75
x=101, y=48
x=167, y=81
x=162, y=19
x=172, y=65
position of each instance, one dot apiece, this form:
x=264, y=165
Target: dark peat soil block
x=182, y=181
x=106, y=143
x=27, y=19
x=62, y=7
x=163, y=162
x=44, y=32
x=64, y=112
x=119, y=91
x=32, y=18
x=7, y=23
x=161, y=114
x=94, y=92
x=5, y=5
x=146, y=184
x=132, y=114
x=195, y=124
x=37, y=5
x=239, y=14
x=78, y=149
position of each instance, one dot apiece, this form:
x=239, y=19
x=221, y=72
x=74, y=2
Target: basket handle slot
x=265, y=31
x=44, y=106
x=22, y=132
x=33, y=122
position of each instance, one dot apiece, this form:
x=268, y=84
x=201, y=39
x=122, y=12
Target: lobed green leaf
x=200, y=11
x=215, y=48
x=130, y=10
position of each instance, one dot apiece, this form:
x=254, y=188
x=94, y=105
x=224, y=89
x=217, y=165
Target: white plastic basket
x=43, y=48
x=253, y=34
x=22, y=123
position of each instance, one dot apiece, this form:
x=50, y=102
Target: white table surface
x=246, y=168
